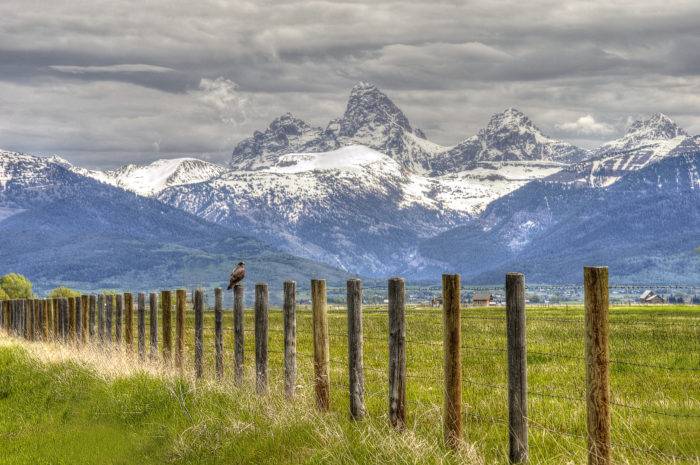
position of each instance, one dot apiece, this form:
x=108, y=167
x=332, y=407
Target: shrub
x=63, y=291
x=3, y=295
x=16, y=286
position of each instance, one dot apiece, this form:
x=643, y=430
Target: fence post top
x=595, y=267
x=515, y=273
x=450, y=275
x=290, y=281
x=396, y=279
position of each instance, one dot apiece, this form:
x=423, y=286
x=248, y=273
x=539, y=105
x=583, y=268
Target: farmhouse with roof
x=481, y=298
x=648, y=297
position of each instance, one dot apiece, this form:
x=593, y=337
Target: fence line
x=90, y=319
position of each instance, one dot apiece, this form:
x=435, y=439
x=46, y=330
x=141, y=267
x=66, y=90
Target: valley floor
x=60, y=405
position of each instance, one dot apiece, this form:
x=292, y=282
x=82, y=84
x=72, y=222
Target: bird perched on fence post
x=237, y=275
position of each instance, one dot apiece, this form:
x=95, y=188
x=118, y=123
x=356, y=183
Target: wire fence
x=85, y=318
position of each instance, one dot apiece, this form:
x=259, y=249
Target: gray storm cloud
x=103, y=83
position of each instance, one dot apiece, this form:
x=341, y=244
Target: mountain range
x=369, y=194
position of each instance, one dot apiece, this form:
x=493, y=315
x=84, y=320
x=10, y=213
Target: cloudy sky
x=105, y=83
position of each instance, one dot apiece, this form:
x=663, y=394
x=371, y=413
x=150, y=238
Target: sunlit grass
x=59, y=405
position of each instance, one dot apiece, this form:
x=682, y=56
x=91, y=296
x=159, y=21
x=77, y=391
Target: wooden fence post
x=218, y=333
x=141, y=304
x=109, y=315
x=517, y=368
x=180, y=304
x=167, y=305
x=84, y=303
x=261, y=314
x=290, y=338
x=198, y=331
x=238, y=333
x=355, y=359
x=44, y=319
x=595, y=284
x=72, y=331
x=319, y=309
x=397, y=353
x=129, y=321
x=153, y=324
x=451, y=306
x=31, y=331
x=118, y=318
x=56, y=319
x=101, y=318
x=92, y=302
x=79, y=320
x=62, y=317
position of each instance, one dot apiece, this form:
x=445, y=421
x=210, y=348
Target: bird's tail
x=229, y=287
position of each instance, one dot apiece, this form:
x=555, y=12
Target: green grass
x=71, y=409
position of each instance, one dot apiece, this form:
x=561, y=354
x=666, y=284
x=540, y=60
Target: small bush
x=63, y=291
x=16, y=286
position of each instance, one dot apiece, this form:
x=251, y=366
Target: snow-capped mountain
x=645, y=227
x=646, y=141
x=286, y=134
x=353, y=207
x=152, y=178
x=370, y=119
x=62, y=227
x=509, y=136
x=348, y=207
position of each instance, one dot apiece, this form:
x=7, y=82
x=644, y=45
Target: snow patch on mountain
x=646, y=141
x=350, y=157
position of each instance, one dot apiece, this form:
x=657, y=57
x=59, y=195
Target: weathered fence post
x=180, y=303
x=72, y=331
x=109, y=313
x=167, y=305
x=218, y=333
x=153, y=324
x=43, y=319
x=92, y=303
x=356, y=370
x=84, y=303
x=290, y=338
x=79, y=329
x=595, y=284
x=198, y=331
x=397, y=353
x=141, y=304
x=238, y=334
x=101, y=318
x=452, y=323
x=517, y=368
x=261, y=314
x=319, y=309
x=118, y=318
x=63, y=318
x=129, y=321
x=30, y=333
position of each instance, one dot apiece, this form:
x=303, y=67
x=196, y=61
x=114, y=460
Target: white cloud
x=222, y=95
x=588, y=126
x=125, y=68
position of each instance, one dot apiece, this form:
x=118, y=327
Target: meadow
x=61, y=405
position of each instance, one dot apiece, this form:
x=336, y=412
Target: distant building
x=482, y=299
x=436, y=302
x=648, y=297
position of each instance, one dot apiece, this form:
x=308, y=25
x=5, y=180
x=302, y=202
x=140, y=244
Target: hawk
x=237, y=275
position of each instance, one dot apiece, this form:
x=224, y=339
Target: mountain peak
x=656, y=126
x=363, y=87
x=508, y=121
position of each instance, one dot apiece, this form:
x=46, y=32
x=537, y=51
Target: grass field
x=63, y=406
